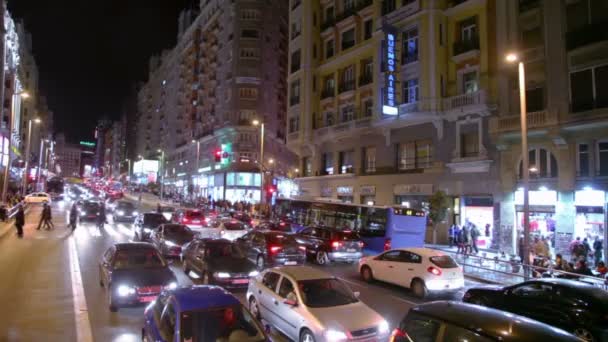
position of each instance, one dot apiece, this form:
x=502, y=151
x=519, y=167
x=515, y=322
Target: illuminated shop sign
x=390, y=106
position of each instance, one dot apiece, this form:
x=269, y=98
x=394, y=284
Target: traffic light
x=218, y=156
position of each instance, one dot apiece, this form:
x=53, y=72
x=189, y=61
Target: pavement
x=50, y=285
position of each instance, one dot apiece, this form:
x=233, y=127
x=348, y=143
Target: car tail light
x=387, y=244
x=434, y=270
x=185, y=220
x=398, y=335
x=302, y=248
x=336, y=244
x=275, y=249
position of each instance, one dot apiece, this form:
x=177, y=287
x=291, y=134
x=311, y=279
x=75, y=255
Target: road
x=50, y=285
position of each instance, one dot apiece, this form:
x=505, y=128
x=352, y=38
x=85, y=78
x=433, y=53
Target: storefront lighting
x=543, y=188
x=405, y=204
x=217, y=167
x=370, y=202
x=588, y=188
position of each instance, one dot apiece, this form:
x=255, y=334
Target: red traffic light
x=218, y=156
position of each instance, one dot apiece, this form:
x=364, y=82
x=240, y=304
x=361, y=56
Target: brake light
x=185, y=220
x=397, y=335
x=275, y=249
x=302, y=248
x=434, y=270
x=336, y=244
x=387, y=244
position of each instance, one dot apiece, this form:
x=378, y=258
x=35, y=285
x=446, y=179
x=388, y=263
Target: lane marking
x=81, y=311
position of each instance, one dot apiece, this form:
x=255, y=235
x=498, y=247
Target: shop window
x=369, y=159
x=328, y=163
x=346, y=161
x=583, y=160
x=602, y=154
x=542, y=164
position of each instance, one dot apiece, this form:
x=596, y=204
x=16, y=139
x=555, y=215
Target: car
x=111, y=204
x=134, y=273
x=167, y=212
x=422, y=270
x=220, y=262
x=243, y=217
x=190, y=217
x=38, y=197
x=456, y=321
x=567, y=304
x=146, y=223
x=200, y=313
x=89, y=211
x=170, y=237
x=280, y=226
x=326, y=244
x=232, y=229
x=124, y=212
x=269, y=248
x=308, y=304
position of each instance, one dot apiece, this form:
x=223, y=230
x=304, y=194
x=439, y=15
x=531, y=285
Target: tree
x=439, y=203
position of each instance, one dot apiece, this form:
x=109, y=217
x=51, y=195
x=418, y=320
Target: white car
x=232, y=229
x=423, y=270
x=308, y=304
x=38, y=197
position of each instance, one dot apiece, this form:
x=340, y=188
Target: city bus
x=380, y=227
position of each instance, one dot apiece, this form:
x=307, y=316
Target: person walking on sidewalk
x=48, y=218
x=43, y=217
x=597, y=250
x=452, y=234
x=474, y=236
x=20, y=221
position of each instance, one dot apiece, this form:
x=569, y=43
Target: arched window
x=542, y=164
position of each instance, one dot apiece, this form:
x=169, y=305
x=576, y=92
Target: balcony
x=293, y=136
x=346, y=86
x=365, y=79
x=327, y=93
x=343, y=128
x=294, y=100
x=586, y=35
x=459, y=102
x=465, y=49
x=513, y=122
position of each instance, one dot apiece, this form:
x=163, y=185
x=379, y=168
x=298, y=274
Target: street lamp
x=261, y=124
x=27, y=154
x=513, y=58
x=162, y=175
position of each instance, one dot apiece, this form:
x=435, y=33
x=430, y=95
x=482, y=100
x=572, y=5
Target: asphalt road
x=50, y=285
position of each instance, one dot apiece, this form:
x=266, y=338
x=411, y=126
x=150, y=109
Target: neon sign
x=390, y=107
x=87, y=143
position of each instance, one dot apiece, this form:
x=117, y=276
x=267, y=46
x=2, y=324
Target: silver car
x=308, y=305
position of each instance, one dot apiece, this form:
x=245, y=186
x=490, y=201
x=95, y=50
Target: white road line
x=81, y=311
x=369, y=288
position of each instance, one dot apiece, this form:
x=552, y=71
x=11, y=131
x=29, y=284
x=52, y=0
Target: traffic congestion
x=210, y=274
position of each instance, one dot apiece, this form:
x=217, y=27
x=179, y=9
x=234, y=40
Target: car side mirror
x=357, y=294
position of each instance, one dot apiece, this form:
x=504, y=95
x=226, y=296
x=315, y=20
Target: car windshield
x=125, y=206
x=321, y=293
x=234, y=225
x=232, y=323
x=177, y=229
x=444, y=261
x=225, y=250
x=194, y=214
x=345, y=235
x=281, y=239
x=138, y=258
x=154, y=220
x=91, y=206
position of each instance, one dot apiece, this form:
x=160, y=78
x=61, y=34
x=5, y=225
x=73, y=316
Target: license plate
x=291, y=262
x=147, y=299
x=351, y=250
x=240, y=281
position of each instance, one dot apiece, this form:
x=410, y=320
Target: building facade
x=68, y=157
x=566, y=64
x=227, y=69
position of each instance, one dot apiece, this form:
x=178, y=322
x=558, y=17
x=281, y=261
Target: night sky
x=90, y=53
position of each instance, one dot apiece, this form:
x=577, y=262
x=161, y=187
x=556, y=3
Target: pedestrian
x=487, y=230
x=577, y=249
x=452, y=234
x=474, y=236
x=20, y=221
x=597, y=250
x=48, y=219
x=601, y=268
x=561, y=264
x=587, y=247
x=73, y=216
x=43, y=215
x=582, y=269
x=466, y=240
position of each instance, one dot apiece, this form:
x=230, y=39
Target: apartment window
x=349, y=5
x=542, y=164
x=369, y=158
x=368, y=107
x=295, y=93
x=468, y=29
x=245, y=116
x=410, y=91
x=329, y=84
x=296, y=29
x=368, y=28
x=410, y=46
x=250, y=14
x=388, y=6
x=535, y=99
x=329, y=49
x=328, y=119
x=583, y=160
x=307, y=166
x=589, y=88
x=469, y=140
x=346, y=162
x=532, y=38
x=249, y=33
x=469, y=82
x=329, y=13
x=294, y=124
x=347, y=113
x=585, y=12
x=250, y=53
x=348, y=39
x=415, y=155
x=248, y=93
x=602, y=155
x=348, y=79
x=327, y=160
x=295, y=61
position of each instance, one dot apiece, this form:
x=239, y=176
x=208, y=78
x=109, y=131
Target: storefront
x=413, y=195
x=542, y=212
x=479, y=211
x=230, y=186
x=590, y=213
x=368, y=194
x=345, y=194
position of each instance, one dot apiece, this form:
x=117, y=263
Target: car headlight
x=120, y=212
x=221, y=275
x=170, y=243
x=383, y=327
x=335, y=335
x=147, y=230
x=135, y=213
x=254, y=273
x=124, y=290
x=172, y=285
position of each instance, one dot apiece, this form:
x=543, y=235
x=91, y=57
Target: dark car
x=243, y=217
x=279, y=226
x=326, y=244
x=219, y=262
x=89, y=211
x=170, y=237
x=268, y=248
x=567, y=304
x=200, y=313
x=124, y=212
x=134, y=273
x=455, y=321
x=146, y=223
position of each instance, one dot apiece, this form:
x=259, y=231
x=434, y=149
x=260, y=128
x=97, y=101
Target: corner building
x=433, y=137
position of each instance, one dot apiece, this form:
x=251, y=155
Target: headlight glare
x=147, y=231
x=135, y=213
x=222, y=275
x=172, y=285
x=335, y=335
x=253, y=273
x=120, y=212
x=383, y=327
x=124, y=290
x=170, y=243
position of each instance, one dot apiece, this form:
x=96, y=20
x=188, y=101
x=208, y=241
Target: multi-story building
x=227, y=69
x=564, y=48
x=68, y=157
x=390, y=102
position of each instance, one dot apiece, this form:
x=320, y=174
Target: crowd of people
x=465, y=238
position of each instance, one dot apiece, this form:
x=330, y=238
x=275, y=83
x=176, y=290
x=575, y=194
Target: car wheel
x=584, y=334
x=111, y=304
x=307, y=336
x=366, y=274
x=254, y=309
x=419, y=288
x=260, y=262
x=322, y=258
